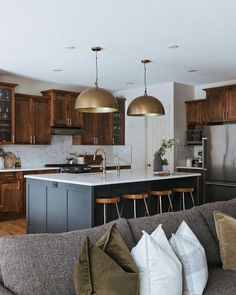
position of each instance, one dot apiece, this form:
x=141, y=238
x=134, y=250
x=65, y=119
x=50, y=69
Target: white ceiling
x=34, y=34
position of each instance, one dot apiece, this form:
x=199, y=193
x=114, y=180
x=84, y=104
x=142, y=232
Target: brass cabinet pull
x=18, y=185
x=34, y=139
x=31, y=139
x=68, y=122
x=94, y=140
x=13, y=138
x=113, y=140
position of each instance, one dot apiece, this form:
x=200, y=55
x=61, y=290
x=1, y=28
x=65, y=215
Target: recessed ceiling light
x=173, y=46
x=58, y=70
x=129, y=83
x=70, y=47
x=193, y=71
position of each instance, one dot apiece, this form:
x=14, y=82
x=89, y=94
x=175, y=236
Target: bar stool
x=105, y=202
x=134, y=197
x=159, y=195
x=182, y=191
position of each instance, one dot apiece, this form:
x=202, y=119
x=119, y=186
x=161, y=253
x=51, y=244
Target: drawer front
x=41, y=171
x=9, y=176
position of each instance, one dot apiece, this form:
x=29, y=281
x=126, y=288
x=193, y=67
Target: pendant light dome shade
x=96, y=100
x=146, y=105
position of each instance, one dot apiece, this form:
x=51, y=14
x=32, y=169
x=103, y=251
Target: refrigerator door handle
x=204, y=143
x=220, y=183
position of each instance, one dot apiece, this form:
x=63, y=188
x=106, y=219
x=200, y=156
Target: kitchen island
x=62, y=202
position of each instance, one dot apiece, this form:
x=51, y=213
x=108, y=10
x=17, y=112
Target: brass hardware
x=70, y=122
x=113, y=140
x=31, y=139
x=13, y=138
x=34, y=139
x=145, y=105
x=94, y=140
x=18, y=185
x=96, y=99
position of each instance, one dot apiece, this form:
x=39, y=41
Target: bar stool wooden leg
x=118, y=211
x=192, y=198
x=135, y=212
x=170, y=202
x=146, y=207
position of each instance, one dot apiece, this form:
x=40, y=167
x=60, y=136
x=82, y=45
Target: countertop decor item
x=165, y=145
x=96, y=99
x=145, y=105
x=9, y=160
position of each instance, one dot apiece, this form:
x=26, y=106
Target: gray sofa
x=43, y=263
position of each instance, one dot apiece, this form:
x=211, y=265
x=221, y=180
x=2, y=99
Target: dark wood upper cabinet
x=104, y=128
x=7, y=113
x=196, y=112
x=222, y=103
x=32, y=119
x=63, y=113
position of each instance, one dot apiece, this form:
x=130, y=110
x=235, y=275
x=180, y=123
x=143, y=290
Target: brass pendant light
x=96, y=99
x=145, y=105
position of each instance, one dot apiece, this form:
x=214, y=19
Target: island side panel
x=54, y=207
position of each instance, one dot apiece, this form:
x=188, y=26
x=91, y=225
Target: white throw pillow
x=160, y=271
x=193, y=258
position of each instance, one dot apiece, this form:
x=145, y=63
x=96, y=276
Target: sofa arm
x=5, y=291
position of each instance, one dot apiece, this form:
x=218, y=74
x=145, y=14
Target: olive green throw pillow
x=106, y=268
x=226, y=233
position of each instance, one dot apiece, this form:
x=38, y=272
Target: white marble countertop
x=28, y=169
x=185, y=167
x=95, y=179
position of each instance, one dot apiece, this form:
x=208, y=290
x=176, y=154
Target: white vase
x=165, y=168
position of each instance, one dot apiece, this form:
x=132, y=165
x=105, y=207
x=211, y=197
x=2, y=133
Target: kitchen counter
x=96, y=179
x=190, y=168
x=63, y=202
x=28, y=169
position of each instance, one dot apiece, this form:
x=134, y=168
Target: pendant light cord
x=96, y=58
x=145, y=79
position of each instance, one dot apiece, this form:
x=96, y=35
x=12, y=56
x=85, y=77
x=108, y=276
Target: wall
x=182, y=151
x=61, y=146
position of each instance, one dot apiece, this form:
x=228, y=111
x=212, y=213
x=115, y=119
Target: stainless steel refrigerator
x=219, y=162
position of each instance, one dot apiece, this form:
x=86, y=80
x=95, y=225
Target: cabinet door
x=76, y=117
x=41, y=115
x=104, y=129
x=118, y=124
x=192, y=113
x=60, y=110
x=203, y=111
x=231, y=105
x=10, y=197
x=90, y=125
x=23, y=132
x=217, y=106
x=7, y=114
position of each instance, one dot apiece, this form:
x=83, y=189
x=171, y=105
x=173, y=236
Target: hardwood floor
x=13, y=227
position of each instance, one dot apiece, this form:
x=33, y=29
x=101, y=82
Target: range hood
x=67, y=131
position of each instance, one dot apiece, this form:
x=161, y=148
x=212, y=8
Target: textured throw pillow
x=106, y=268
x=192, y=255
x=160, y=271
x=226, y=233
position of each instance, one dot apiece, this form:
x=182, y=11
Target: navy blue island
x=63, y=202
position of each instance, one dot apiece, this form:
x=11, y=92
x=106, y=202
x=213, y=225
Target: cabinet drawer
x=9, y=176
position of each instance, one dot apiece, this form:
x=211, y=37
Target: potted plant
x=161, y=163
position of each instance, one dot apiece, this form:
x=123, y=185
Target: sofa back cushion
x=171, y=222
x=43, y=263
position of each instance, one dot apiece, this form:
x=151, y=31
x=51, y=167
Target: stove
x=71, y=168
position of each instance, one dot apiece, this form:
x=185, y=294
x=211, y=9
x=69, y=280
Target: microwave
x=194, y=136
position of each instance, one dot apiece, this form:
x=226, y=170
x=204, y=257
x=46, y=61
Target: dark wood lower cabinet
x=13, y=190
